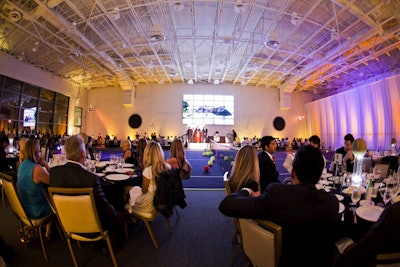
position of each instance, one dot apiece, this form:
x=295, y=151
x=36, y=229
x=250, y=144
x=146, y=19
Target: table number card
x=337, y=159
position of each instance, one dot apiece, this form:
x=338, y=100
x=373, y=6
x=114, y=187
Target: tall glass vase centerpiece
x=359, y=150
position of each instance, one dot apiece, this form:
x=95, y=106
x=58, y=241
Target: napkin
x=343, y=243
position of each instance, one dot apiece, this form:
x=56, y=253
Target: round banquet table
x=114, y=190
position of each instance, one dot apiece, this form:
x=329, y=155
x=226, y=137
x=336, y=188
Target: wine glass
x=98, y=155
x=387, y=195
x=355, y=197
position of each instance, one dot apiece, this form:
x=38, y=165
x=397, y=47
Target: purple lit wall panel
x=371, y=112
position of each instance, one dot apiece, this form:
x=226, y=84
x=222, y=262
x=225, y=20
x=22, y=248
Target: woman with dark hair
x=129, y=156
x=176, y=155
x=141, y=145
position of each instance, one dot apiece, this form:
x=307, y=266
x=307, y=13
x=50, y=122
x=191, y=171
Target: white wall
x=18, y=70
x=160, y=107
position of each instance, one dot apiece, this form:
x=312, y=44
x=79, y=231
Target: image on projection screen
x=208, y=110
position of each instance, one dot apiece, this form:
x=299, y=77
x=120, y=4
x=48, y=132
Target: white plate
x=124, y=170
x=369, y=213
x=324, y=182
x=366, y=202
x=349, y=190
x=341, y=207
x=99, y=174
x=127, y=165
x=339, y=197
x=117, y=177
x=326, y=175
x=101, y=164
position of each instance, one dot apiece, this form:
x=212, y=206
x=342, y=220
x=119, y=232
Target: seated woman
x=33, y=174
x=89, y=149
x=129, y=155
x=177, y=155
x=245, y=171
x=141, y=199
x=141, y=145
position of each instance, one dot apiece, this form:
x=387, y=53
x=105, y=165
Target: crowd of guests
x=34, y=176
x=303, y=211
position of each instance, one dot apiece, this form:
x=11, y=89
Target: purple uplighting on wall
x=371, y=112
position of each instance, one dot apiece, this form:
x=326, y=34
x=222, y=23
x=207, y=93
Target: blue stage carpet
x=214, y=177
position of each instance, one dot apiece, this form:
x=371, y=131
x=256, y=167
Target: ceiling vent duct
x=115, y=14
x=156, y=34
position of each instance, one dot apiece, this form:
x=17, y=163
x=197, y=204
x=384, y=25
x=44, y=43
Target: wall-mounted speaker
x=279, y=123
x=135, y=121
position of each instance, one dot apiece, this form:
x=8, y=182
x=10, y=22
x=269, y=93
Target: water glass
x=355, y=197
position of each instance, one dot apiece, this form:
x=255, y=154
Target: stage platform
x=198, y=146
x=211, y=145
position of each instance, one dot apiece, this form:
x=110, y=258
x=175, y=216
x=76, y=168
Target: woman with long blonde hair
x=141, y=199
x=245, y=171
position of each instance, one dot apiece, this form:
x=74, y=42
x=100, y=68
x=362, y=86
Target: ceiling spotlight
x=62, y=61
x=15, y=16
x=295, y=20
x=243, y=83
x=178, y=6
x=162, y=81
x=239, y=7
x=190, y=81
x=115, y=14
x=216, y=82
x=156, y=34
x=73, y=54
x=272, y=40
x=398, y=36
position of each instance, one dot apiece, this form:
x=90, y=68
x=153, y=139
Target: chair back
x=12, y=195
x=262, y=242
x=45, y=153
x=226, y=183
x=383, y=169
x=75, y=209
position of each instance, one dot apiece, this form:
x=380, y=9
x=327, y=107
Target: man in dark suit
x=382, y=237
x=307, y=215
x=74, y=175
x=266, y=161
x=347, y=152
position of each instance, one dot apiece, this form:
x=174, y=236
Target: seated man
x=347, y=152
x=74, y=175
x=305, y=213
x=382, y=237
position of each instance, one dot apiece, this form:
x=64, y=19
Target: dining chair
x=383, y=169
x=236, y=238
x=2, y=194
x=387, y=259
x=45, y=153
x=165, y=182
x=147, y=218
x=10, y=190
x=261, y=241
x=70, y=205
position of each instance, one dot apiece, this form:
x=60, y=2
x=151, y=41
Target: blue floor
x=212, y=178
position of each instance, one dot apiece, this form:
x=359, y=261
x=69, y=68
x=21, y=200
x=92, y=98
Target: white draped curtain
x=371, y=112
